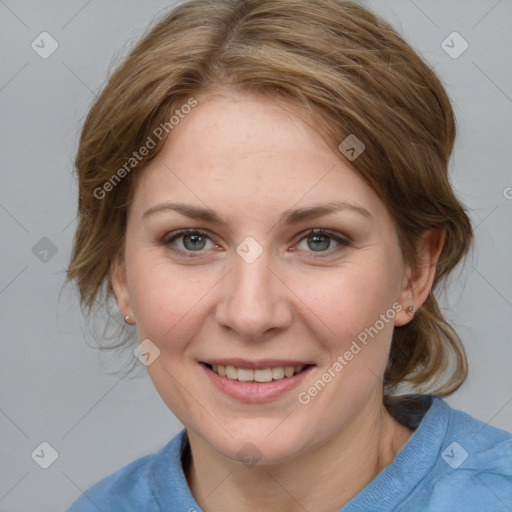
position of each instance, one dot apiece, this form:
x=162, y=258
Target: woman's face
x=252, y=288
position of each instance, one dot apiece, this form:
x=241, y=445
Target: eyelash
x=343, y=242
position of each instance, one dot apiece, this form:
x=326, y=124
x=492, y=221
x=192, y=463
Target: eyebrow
x=287, y=217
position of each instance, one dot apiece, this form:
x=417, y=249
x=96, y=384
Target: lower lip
x=255, y=391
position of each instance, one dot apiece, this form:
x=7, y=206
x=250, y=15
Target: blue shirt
x=452, y=462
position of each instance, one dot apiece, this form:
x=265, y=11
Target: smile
x=256, y=381
x=259, y=375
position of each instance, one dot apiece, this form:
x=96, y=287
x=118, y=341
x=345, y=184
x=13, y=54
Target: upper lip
x=256, y=365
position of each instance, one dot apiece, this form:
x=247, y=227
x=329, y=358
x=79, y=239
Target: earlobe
x=419, y=279
x=120, y=288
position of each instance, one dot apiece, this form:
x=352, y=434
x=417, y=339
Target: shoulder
x=474, y=464
x=476, y=446
x=130, y=488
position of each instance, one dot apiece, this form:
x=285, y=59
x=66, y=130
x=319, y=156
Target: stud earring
x=410, y=309
x=126, y=318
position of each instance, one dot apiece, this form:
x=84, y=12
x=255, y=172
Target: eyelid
x=173, y=235
x=342, y=240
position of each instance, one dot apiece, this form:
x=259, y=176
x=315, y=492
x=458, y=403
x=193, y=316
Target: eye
x=321, y=240
x=188, y=240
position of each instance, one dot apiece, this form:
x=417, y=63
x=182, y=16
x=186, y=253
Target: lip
x=255, y=392
x=251, y=364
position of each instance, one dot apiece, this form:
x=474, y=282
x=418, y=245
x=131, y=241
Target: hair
x=335, y=60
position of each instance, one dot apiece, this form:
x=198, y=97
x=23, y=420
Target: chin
x=259, y=444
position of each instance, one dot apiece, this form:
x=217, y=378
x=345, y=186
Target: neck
x=324, y=479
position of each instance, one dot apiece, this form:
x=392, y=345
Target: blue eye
x=320, y=240
x=189, y=241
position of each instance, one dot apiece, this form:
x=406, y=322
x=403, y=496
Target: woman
x=264, y=191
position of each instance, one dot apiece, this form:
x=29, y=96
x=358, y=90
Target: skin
x=250, y=160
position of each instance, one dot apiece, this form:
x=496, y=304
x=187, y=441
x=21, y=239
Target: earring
x=126, y=318
x=410, y=309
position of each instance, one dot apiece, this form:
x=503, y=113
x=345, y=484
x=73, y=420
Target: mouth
x=250, y=381
x=256, y=375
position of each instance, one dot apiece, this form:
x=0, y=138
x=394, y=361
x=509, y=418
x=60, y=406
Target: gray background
x=54, y=387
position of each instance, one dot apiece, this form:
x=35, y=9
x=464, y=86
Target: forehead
x=234, y=126
x=242, y=146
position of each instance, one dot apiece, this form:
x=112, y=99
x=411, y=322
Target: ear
x=418, y=279
x=120, y=286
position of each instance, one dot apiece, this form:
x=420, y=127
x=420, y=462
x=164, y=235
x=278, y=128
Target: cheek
x=165, y=298
x=169, y=304
x=354, y=304
x=349, y=298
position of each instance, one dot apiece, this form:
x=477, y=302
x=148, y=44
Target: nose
x=254, y=301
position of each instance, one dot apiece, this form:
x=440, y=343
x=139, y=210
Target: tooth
x=278, y=373
x=245, y=375
x=264, y=375
x=231, y=372
x=261, y=375
x=288, y=371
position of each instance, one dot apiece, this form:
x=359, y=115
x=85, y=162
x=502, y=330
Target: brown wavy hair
x=344, y=67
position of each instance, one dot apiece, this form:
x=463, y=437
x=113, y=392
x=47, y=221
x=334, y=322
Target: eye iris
x=196, y=242
x=323, y=240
